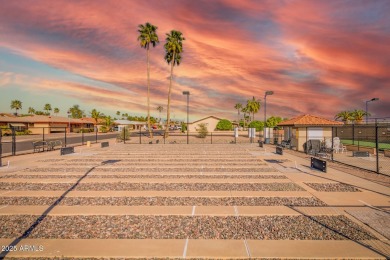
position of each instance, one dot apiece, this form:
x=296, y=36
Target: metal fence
x=14, y=141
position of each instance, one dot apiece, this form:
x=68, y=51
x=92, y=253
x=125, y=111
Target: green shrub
x=202, y=130
x=183, y=127
x=224, y=124
x=256, y=124
x=103, y=129
x=123, y=135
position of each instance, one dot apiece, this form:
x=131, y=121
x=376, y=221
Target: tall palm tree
x=160, y=109
x=56, y=110
x=147, y=36
x=47, y=107
x=244, y=110
x=345, y=116
x=253, y=107
x=16, y=104
x=95, y=115
x=31, y=110
x=358, y=115
x=173, y=49
x=238, y=106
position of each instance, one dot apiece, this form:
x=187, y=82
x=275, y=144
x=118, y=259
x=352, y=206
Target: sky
x=319, y=57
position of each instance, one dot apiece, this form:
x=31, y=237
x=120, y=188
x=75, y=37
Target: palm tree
x=253, y=106
x=47, y=107
x=76, y=112
x=56, y=110
x=358, y=115
x=238, y=106
x=31, y=110
x=16, y=104
x=108, y=121
x=160, y=109
x=118, y=113
x=147, y=36
x=345, y=116
x=173, y=49
x=95, y=115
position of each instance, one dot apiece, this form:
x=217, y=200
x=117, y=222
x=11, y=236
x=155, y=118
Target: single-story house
x=39, y=124
x=210, y=121
x=132, y=125
x=307, y=127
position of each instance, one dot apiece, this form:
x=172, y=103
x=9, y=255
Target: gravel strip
x=182, y=227
x=332, y=187
x=147, y=176
x=164, y=201
x=126, y=186
x=205, y=160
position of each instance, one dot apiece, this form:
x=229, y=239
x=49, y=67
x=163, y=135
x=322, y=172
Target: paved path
x=187, y=201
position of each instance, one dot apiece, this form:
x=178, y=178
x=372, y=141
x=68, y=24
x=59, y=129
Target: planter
x=351, y=147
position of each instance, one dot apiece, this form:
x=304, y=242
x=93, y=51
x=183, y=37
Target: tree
x=31, y=110
x=147, y=36
x=173, y=49
x=253, y=106
x=76, y=112
x=108, y=122
x=47, y=108
x=345, y=116
x=245, y=111
x=273, y=121
x=95, y=115
x=160, y=109
x=56, y=110
x=259, y=125
x=224, y=124
x=118, y=113
x=238, y=106
x=358, y=115
x=16, y=104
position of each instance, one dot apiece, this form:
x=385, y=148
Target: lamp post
x=267, y=93
x=187, y=93
x=372, y=99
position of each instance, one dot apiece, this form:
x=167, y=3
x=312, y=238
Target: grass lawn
x=367, y=144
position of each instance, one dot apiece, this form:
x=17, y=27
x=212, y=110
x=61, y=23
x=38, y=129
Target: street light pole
x=69, y=119
x=267, y=93
x=187, y=93
x=372, y=99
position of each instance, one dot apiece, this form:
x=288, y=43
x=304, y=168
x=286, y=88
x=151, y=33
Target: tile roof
x=40, y=119
x=205, y=119
x=309, y=120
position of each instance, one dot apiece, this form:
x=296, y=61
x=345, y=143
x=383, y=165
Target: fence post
x=65, y=136
x=96, y=134
x=13, y=140
x=332, y=144
x=82, y=137
x=43, y=134
x=306, y=140
x=1, y=147
x=377, y=146
x=124, y=135
x=353, y=133
x=211, y=137
x=140, y=136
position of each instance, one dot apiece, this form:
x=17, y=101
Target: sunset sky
x=319, y=57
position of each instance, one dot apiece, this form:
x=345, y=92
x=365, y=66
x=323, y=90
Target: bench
x=52, y=145
x=39, y=146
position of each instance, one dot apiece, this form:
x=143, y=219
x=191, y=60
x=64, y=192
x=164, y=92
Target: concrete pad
x=266, y=210
x=318, y=211
x=113, y=180
x=271, y=194
x=101, y=247
x=216, y=248
x=310, y=249
x=98, y=210
x=353, y=198
x=304, y=177
x=214, y=210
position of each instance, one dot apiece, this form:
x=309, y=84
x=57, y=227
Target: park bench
x=52, y=145
x=39, y=146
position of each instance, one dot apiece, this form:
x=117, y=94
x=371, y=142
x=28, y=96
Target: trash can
x=88, y=143
x=260, y=143
x=267, y=140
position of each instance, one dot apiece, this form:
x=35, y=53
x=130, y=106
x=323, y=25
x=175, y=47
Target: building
x=39, y=124
x=307, y=127
x=210, y=121
x=132, y=125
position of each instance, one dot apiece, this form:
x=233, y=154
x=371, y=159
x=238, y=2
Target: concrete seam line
x=248, y=252
x=185, y=248
x=368, y=205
